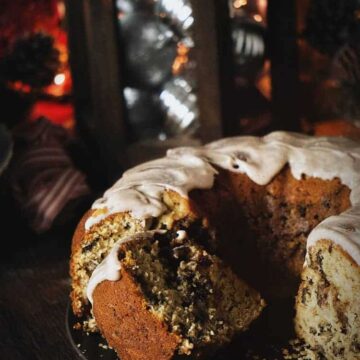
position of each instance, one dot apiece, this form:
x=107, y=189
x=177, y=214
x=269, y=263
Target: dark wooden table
x=34, y=292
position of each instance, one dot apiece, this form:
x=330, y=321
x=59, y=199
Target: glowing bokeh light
x=59, y=79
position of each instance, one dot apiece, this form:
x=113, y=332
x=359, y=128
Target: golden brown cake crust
x=76, y=248
x=80, y=232
x=120, y=312
x=285, y=210
x=181, y=208
x=202, y=301
x=271, y=221
x=261, y=231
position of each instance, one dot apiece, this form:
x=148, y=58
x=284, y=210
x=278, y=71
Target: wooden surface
x=34, y=288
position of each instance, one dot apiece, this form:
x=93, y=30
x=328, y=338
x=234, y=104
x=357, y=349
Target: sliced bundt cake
x=255, y=204
x=328, y=304
x=171, y=298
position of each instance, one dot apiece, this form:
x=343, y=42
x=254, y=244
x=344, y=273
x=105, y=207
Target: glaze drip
x=140, y=189
x=110, y=267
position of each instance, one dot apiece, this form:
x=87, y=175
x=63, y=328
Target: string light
x=181, y=59
x=239, y=3
x=61, y=9
x=59, y=79
x=257, y=18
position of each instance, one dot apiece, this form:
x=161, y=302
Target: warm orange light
x=59, y=79
x=181, y=59
x=19, y=86
x=263, y=82
x=61, y=9
x=239, y=3
x=257, y=18
x=61, y=84
x=262, y=6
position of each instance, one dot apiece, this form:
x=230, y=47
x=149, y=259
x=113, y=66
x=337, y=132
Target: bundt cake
x=166, y=263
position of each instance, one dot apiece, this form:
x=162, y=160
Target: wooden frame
x=97, y=76
x=95, y=61
x=96, y=65
x=214, y=68
x=281, y=16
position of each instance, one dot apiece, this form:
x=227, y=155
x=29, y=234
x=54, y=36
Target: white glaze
x=343, y=230
x=140, y=189
x=181, y=235
x=110, y=267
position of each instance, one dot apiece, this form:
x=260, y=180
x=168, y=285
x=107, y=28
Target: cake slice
x=172, y=299
x=328, y=302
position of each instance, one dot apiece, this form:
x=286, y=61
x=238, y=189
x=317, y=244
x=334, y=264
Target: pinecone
x=33, y=60
x=330, y=23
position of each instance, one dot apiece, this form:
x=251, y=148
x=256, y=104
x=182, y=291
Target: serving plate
x=87, y=346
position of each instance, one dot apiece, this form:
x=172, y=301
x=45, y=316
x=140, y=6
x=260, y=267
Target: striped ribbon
x=43, y=178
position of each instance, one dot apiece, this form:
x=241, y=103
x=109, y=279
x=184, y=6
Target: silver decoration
x=179, y=101
x=131, y=6
x=249, y=47
x=144, y=113
x=149, y=50
x=179, y=13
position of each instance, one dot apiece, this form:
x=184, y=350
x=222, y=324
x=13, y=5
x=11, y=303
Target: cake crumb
x=298, y=350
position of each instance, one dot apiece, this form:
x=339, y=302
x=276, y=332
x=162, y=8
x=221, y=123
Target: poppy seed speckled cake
x=176, y=258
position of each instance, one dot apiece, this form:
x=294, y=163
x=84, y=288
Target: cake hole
x=242, y=156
